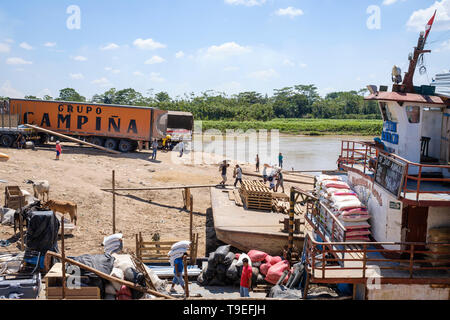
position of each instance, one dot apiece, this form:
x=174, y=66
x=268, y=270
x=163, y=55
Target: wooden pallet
x=262, y=288
x=256, y=195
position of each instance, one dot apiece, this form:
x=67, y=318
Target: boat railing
x=322, y=219
x=362, y=156
x=354, y=261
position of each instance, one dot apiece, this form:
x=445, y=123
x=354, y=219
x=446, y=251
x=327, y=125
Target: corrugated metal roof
x=442, y=84
x=405, y=97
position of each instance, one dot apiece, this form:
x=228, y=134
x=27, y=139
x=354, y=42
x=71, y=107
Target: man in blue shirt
x=280, y=160
x=178, y=273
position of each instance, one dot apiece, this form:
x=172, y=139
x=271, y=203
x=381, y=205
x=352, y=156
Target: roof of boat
x=406, y=97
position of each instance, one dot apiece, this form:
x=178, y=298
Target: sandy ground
x=82, y=172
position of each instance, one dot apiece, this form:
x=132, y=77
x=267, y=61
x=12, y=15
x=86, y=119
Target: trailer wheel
x=125, y=146
x=7, y=140
x=97, y=140
x=111, y=144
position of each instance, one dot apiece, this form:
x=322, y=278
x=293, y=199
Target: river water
x=299, y=152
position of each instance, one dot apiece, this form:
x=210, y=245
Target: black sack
x=42, y=231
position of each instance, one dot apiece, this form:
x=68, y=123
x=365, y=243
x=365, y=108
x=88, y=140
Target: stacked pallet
x=256, y=195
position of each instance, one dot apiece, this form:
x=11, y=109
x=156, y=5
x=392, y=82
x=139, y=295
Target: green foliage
x=32, y=97
x=69, y=94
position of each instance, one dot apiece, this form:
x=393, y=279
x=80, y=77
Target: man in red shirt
x=246, y=278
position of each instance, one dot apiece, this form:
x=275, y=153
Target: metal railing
x=365, y=155
x=364, y=257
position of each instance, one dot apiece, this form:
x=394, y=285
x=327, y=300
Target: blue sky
x=183, y=46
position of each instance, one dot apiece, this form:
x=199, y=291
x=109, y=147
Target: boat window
x=385, y=112
x=413, y=114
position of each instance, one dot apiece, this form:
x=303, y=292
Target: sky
x=230, y=46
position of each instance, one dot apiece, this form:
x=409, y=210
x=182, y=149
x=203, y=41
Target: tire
x=97, y=140
x=125, y=145
x=7, y=140
x=111, y=144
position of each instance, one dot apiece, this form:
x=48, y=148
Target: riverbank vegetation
x=296, y=109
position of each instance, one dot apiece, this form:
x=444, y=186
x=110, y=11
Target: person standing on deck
x=238, y=175
x=246, y=279
x=178, y=273
x=280, y=160
x=223, y=170
x=58, y=150
x=155, y=149
x=257, y=163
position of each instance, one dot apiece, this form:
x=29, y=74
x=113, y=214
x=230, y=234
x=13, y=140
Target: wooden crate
x=13, y=197
x=256, y=195
x=53, y=287
x=156, y=251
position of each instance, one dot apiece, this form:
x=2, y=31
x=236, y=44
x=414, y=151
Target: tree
x=32, y=97
x=47, y=97
x=162, y=97
x=69, y=94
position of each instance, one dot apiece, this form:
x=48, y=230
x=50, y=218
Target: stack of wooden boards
x=256, y=195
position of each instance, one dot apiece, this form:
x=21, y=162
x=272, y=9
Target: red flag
x=428, y=26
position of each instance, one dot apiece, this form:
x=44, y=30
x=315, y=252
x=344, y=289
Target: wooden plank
x=165, y=188
x=72, y=139
x=82, y=291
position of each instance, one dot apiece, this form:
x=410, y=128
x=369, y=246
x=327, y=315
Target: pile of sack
x=178, y=250
x=344, y=203
x=225, y=268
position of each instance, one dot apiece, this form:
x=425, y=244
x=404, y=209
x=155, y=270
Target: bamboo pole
x=114, y=202
x=63, y=260
x=164, y=188
x=110, y=278
x=186, y=278
x=72, y=139
x=22, y=247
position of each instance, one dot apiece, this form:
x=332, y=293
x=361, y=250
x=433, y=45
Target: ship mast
x=407, y=85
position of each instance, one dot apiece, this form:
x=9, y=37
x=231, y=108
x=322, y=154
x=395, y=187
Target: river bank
x=311, y=127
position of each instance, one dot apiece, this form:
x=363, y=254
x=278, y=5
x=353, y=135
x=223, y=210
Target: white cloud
x=419, y=18
x=79, y=58
x=155, y=60
x=156, y=77
x=4, y=47
x=76, y=76
x=102, y=82
x=25, y=46
x=289, y=11
x=111, y=46
x=225, y=50
x=248, y=3
x=6, y=90
x=303, y=65
x=15, y=61
x=50, y=44
x=264, y=74
x=179, y=54
x=389, y=2
x=148, y=44
x=138, y=73
x=108, y=68
x=9, y=40
x=445, y=46
x=115, y=71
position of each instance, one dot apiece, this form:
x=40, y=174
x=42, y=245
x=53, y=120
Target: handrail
x=350, y=148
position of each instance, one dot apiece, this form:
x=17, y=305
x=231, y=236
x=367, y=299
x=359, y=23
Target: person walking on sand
x=155, y=149
x=178, y=273
x=246, y=279
x=280, y=160
x=264, y=174
x=279, y=177
x=58, y=150
x=181, y=146
x=238, y=175
x=223, y=169
x=257, y=163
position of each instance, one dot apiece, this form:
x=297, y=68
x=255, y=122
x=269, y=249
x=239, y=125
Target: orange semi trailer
x=112, y=126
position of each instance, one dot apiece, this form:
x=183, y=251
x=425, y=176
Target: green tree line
x=299, y=101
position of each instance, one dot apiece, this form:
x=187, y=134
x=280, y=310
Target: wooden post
x=186, y=278
x=364, y=260
x=22, y=246
x=63, y=260
x=137, y=247
x=411, y=260
x=114, y=202
x=191, y=205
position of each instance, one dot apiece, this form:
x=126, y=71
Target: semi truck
x=118, y=127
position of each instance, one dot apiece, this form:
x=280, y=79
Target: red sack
x=276, y=271
x=237, y=256
x=264, y=268
x=124, y=294
x=268, y=258
x=275, y=260
x=256, y=255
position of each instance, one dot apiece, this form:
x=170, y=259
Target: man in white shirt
x=155, y=148
x=238, y=175
x=181, y=146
